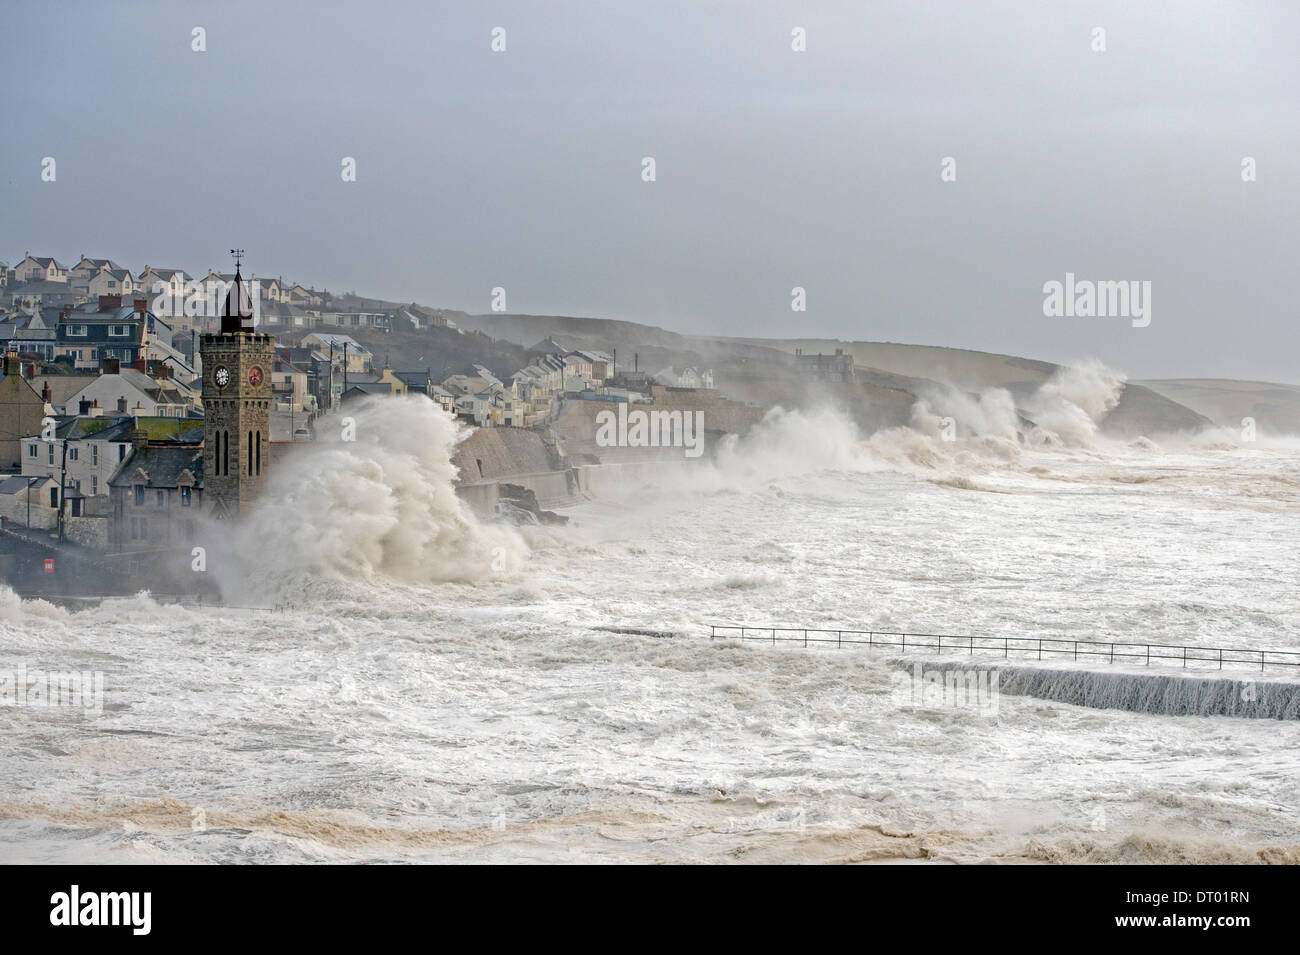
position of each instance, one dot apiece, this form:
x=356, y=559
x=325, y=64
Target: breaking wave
x=374, y=499
x=1066, y=410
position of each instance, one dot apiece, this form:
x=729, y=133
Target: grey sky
x=775, y=169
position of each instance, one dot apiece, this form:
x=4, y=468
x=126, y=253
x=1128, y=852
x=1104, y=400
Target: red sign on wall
x=49, y=565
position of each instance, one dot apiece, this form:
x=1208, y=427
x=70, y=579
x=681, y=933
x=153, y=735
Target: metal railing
x=1043, y=647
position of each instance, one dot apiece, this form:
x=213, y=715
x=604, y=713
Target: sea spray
x=1065, y=410
x=988, y=413
x=373, y=497
x=1072, y=403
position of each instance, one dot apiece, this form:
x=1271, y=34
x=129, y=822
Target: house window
x=144, y=528
x=31, y=450
x=51, y=449
x=119, y=331
x=75, y=331
x=94, y=485
x=72, y=454
x=162, y=498
x=94, y=454
x=139, y=494
x=185, y=496
x=121, y=452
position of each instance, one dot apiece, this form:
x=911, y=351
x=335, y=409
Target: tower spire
x=237, y=367
x=237, y=315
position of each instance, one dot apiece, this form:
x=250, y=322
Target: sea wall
x=563, y=465
x=491, y=454
x=575, y=425
x=1164, y=694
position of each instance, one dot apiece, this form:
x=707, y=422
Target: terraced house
x=155, y=499
x=85, y=270
x=112, y=282
x=91, y=333
x=40, y=268
x=82, y=458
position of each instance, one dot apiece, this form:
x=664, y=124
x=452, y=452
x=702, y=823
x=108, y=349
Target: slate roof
x=328, y=338
x=63, y=387
x=84, y=427
x=418, y=378
x=163, y=465
x=12, y=485
x=170, y=392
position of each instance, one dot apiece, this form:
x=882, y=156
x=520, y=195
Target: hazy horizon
x=820, y=169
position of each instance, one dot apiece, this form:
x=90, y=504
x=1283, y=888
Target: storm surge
x=950, y=429
x=371, y=499
x=1066, y=410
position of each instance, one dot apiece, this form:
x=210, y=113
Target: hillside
x=890, y=375
x=1141, y=410
x=1275, y=407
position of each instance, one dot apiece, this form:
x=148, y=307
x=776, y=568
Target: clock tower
x=236, y=407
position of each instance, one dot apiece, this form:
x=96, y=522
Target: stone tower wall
x=238, y=408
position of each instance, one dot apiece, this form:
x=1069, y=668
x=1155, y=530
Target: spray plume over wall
x=373, y=497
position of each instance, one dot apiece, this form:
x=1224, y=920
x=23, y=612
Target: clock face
x=221, y=376
x=254, y=376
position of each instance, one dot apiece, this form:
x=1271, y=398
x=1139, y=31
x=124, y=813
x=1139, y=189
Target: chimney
x=141, y=306
x=109, y=301
x=11, y=363
x=84, y=406
x=112, y=366
x=139, y=438
x=121, y=404
x=46, y=394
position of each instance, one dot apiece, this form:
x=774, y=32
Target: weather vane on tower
x=238, y=254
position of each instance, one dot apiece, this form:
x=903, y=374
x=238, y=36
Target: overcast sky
x=775, y=168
